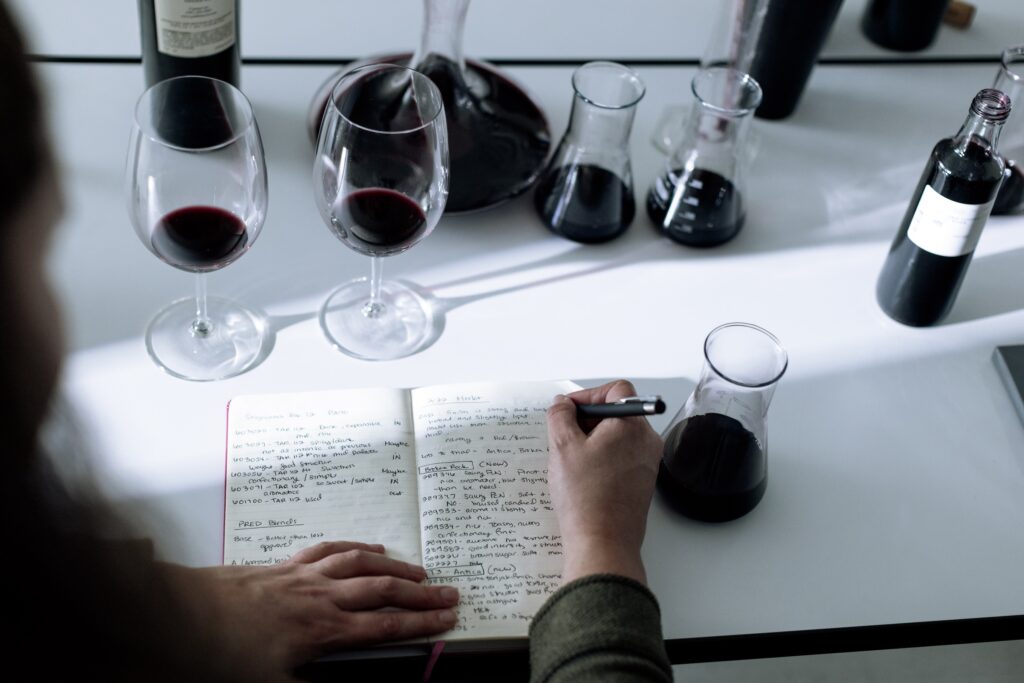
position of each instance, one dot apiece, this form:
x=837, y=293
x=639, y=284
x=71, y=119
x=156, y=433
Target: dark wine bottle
x=904, y=25
x=792, y=35
x=933, y=248
x=189, y=37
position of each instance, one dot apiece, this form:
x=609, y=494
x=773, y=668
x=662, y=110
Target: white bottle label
x=194, y=28
x=947, y=228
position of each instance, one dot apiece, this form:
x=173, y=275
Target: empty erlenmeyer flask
x=698, y=201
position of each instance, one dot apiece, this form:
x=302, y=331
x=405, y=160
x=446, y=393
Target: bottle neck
x=443, y=23
x=979, y=131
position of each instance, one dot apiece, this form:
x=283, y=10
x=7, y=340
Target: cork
x=959, y=14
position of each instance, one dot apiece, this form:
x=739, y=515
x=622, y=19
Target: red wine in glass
x=197, y=198
x=498, y=142
x=379, y=221
x=381, y=183
x=199, y=238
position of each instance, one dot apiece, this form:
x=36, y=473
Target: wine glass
x=196, y=183
x=381, y=182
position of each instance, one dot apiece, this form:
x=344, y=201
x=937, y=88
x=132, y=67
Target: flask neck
x=605, y=96
x=443, y=24
x=599, y=127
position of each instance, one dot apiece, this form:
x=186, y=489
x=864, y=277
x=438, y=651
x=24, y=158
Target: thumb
x=563, y=430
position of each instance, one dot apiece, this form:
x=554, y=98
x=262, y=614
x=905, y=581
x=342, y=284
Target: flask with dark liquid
x=698, y=201
x=1010, y=80
x=586, y=192
x=932, y=250
x=189, y=38
x=715, y=464
x=498, y=136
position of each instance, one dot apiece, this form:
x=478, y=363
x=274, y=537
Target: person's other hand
x=326, y=598
x=601, y=474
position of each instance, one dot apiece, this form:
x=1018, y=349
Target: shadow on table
x=994, y=285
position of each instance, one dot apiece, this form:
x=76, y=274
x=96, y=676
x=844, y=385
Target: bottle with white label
x=189, y=38
x=929, y=257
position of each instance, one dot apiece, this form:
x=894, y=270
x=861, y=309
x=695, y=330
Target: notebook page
x=487, y=522
x=320, y=466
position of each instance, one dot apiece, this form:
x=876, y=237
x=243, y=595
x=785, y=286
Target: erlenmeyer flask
x=698, y=201
x=714, y=467
x=586, y=192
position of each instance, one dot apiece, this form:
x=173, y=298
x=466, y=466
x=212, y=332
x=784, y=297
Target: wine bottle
x=901, y=25
x=933, y=248
x=189, y=37
x=792, y=35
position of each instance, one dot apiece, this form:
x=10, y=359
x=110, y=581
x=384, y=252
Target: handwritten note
x=305, y=468
x=487, y=525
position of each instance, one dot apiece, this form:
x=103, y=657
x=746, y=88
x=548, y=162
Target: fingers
x=376, y=627
x=612, y=391
x=321, y=550
x=563, y=429
x=374, y=592
x=606, y=393
x=354, y=563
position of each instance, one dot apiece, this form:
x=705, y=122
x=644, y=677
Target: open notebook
x=452, y=477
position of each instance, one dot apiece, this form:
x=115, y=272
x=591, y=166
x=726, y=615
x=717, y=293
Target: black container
x=792, y=35
x=190, y=38
x=903, y=25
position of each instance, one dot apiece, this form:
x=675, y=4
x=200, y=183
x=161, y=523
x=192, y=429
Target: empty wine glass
x=197, y=197
x=380, y=181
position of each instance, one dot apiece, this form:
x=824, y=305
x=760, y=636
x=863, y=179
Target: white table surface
x=896, y=486
x=497, y=29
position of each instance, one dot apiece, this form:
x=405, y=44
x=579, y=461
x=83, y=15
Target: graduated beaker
x=698, y=201
x=715, y=464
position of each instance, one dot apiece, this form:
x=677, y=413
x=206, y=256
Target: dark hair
x=25, y=149
x=79, y=605
x=23, y=164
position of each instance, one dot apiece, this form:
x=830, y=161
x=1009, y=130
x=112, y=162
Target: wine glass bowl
x=380, y=183
x=196, y=184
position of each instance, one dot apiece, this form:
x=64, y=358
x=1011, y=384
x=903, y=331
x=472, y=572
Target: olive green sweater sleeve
x=596, y=629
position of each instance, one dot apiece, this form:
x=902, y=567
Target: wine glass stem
x=375, y=308
x=201, y=326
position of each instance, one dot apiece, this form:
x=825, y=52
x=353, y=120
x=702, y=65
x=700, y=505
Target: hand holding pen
x=601, y=474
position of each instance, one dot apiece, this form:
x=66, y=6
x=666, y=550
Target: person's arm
x=603, y=625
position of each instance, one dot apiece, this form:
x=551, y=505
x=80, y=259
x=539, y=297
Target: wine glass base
x=400, y=330
x=234, y=344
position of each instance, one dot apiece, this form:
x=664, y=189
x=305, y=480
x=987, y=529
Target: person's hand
x=601, y=474
x=328, y=597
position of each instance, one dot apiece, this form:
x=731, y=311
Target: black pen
x=624, y=407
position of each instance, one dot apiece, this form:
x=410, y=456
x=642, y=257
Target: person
x=80, y=602
x=603, y=624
